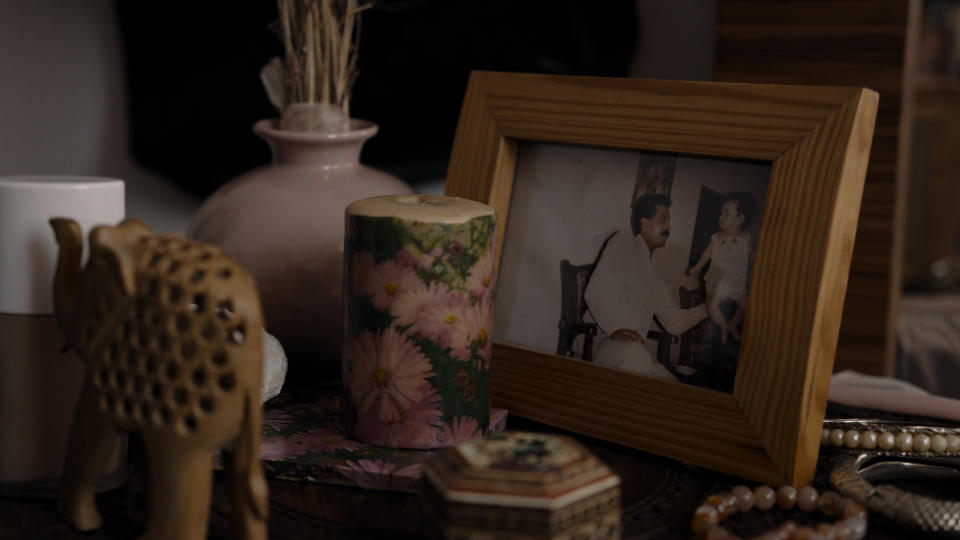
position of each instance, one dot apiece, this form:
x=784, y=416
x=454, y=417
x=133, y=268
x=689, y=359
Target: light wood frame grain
x=817, y=140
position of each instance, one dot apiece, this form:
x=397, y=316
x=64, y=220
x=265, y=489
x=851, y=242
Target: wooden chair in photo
x=573, y=308
x=573, y=281
x=691, y=340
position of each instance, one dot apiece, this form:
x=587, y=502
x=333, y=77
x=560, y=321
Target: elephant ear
x=112, y=244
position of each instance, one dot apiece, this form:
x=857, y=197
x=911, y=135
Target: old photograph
x=634, y=260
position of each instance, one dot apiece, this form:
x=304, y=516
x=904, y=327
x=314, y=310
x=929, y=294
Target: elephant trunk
x=69, y=237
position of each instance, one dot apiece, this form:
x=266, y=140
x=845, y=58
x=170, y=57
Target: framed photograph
x=673, y=257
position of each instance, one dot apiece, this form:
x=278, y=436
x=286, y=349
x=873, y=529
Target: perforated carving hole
x=127, y=330
x=175, y=294
x=227, y=381
x=143, y=338
x=111, y=401
x=145, y=410
x=164, y=342
x=173, y=371
x=165, y=414
x=219, y=358
x=183, y=322
x=121, y=380
x=198, y=303
x=197, y=276
x=139, y=384
x=205, y=256
x=190, y=423
x=115, y=352
x=206, y=404
x=208, y=332
x=180, y=396
x=132, y=359
x=154, y=260
x=151, y=364
x=188, y=349
x=174, y=266
x=156, y=319
x=128, y=406
x=236, y=335
x=225, y=273
x=224, y=309
x=199, y=376
x=157, y=391
x=153, y=287
x=100, y=379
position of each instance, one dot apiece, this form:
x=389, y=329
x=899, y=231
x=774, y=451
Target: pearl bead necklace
x=889, y=437
x=851, y=523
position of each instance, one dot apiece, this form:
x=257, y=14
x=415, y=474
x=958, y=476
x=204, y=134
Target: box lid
x=519, y=469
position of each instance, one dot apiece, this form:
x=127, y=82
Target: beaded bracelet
x=885, y=437
x=851, y=523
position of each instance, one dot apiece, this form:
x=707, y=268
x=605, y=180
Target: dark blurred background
x=193, y=88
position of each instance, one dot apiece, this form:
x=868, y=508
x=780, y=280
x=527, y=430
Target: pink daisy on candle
x=441, y=316
x=480, y=278
x=415, y=427
x=360, y=268
x=388, y=280
x=388, y=374
x=427, y=259
x=406, y=257
x=461, y=429
x=474, y=331
x=409, y=306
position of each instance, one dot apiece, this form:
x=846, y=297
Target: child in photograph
x=729, y=256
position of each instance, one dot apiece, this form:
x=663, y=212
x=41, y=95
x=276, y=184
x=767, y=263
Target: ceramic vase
x=284, y=223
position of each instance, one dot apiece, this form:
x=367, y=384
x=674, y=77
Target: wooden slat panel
x=849, y=42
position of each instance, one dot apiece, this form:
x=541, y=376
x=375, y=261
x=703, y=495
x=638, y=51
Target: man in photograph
x=624, y=292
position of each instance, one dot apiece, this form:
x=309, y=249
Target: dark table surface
x=658, y=498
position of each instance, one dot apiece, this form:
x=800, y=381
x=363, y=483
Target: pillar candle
x=418, y=321
x=39, y=385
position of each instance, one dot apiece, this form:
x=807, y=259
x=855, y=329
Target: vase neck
x=322, y=150
x=313, y=154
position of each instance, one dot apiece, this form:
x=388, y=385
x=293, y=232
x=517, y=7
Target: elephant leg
x=92, y=439
x=180, y=477
x=248, y=485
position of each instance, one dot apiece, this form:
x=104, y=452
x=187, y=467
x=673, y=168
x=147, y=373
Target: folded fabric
x=890, y=394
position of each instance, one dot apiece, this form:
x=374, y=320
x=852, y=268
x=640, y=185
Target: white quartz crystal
x=274, y=368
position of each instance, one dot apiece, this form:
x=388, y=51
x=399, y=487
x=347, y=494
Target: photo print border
x=817, y=140
x=564, y=287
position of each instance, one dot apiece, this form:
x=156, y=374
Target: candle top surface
x=423, y=208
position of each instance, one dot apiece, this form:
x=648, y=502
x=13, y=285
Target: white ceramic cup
x=39, y=386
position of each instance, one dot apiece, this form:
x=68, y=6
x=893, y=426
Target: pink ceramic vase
x=284, y=222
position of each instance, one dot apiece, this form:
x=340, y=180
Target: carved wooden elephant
x=170, y=332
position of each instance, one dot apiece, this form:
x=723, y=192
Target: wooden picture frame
x=817, y=140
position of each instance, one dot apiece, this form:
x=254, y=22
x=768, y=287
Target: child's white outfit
x=727, y=275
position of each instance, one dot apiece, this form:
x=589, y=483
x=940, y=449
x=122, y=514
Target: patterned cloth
x=301, y=440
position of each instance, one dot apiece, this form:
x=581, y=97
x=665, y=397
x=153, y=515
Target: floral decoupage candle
x=418, y=320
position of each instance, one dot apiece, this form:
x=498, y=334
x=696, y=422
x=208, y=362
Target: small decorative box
x=521, y=485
